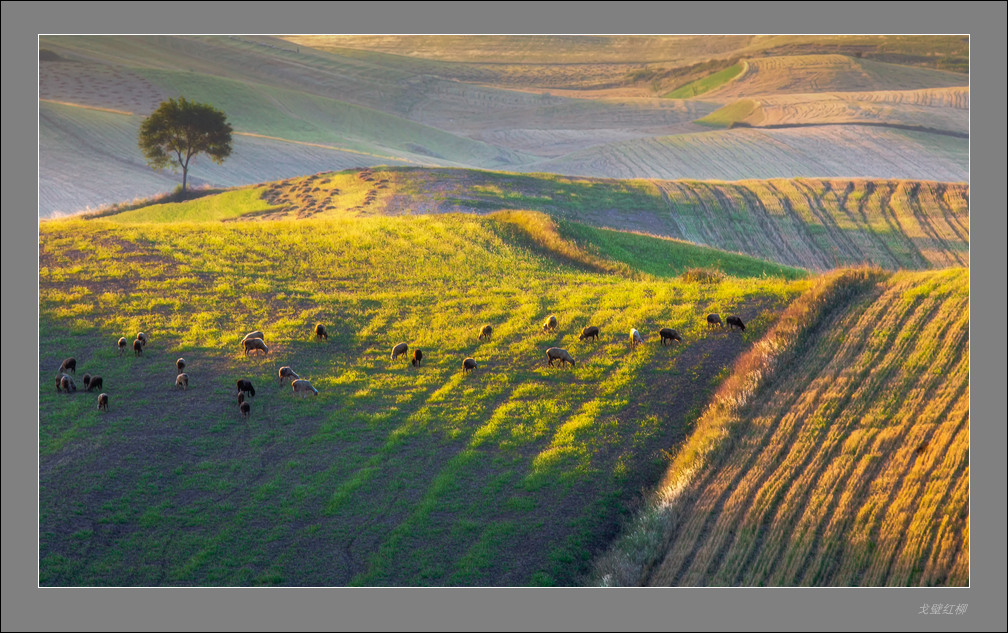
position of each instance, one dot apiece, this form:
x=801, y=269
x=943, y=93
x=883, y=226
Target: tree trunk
x=185, y=174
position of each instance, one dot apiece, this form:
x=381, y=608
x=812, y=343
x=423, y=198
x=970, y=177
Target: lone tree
x=179, y=129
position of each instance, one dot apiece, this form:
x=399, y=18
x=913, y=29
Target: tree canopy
x=179, y=130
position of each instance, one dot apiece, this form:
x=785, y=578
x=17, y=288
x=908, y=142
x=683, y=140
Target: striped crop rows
x=853, y=468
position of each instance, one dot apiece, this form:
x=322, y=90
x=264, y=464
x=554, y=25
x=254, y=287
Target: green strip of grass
x=735, y=112
x=706, y=84
x=223, y=206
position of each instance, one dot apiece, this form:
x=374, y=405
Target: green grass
x=734, y=112
x=706, y=84
x=392, y=475
x=222, y=206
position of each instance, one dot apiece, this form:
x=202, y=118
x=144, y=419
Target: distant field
x=848, y=151
x=393, y=474
x=937, y=109
x=850, y=468
x=829, y=73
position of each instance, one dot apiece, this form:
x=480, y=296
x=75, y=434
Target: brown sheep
x=635, y=337
x=714, y=320
x=255, y=344
x=399, y=350
x=562, y=355
x=668, y=334
x=180, y=365
x=287, y=372
x=103, y=401
x=86, y=379
x=246, y=385
x=486, y=332
x=302, y=387
x=417, y=357
x=142, y=338
x=95, y=384
x=589, y=332
x=137, y=348
x=70, y=365
x=734, y=321
x=245, y=409
x=468, y=365
x=122, y=345
x=255, y=334
x=59, y=382
x=550, y=324
x=320, y=332
x=67, y=384
x=182, y=381
x=241, y=397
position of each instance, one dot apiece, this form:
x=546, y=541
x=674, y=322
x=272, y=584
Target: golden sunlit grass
x=849, y=468
x=392, y=474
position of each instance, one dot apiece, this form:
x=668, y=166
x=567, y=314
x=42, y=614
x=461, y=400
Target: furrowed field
x=516, y=474
x=851, y=466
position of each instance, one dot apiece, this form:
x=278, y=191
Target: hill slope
x=849, y=466
x=815, y=224
x=393, y=474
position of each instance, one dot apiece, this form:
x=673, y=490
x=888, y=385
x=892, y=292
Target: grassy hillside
x=843, y=461
x=393, y=475
x=814, y=224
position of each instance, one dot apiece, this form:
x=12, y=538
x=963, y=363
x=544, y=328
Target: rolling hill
x=816, y=224
x=845, y=463
x=302, y=109
x=393, y=474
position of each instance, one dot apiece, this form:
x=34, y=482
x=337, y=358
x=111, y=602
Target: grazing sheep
x=398, y=350
x=635, y=337
x=713, y=320
x=550, y=324
x=562, y=355
x=59, y=383
x=734, y=321
x=180, y=365
x=246, y=385
x=486, y=332
x=302, y=387
x=468, y=365
x=182, y=381
x=137, y=348
x=86, y=379
x=70, y=365
x=417, y=357
x=589, y=332
x=142, y=338
x=668, y=334
x=245, y=408
x=67, y=384
x=122, y=345
x=255, y=344
x=256, y=334
x=241, y=397
x=103, y=401
x=287, y=372
x=320, y=332
x=95, y=384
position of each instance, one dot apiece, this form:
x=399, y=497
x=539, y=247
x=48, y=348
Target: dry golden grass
x=851, y=468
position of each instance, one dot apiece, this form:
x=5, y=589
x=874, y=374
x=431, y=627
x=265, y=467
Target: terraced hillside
x=807, y=223
x=842, y=461
x=515, y=474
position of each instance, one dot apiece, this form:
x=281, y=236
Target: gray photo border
x=28, y=607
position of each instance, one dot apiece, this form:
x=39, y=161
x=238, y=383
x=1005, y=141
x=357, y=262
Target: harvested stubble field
x=392, y=475
x=849, y=466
